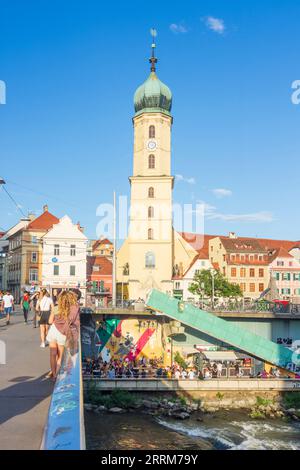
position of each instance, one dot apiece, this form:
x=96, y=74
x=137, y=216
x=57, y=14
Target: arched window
x=150, y=234
x=150, y=260
x=151, y=192
x=150, y=212
x=151, y=161
x=151, y=132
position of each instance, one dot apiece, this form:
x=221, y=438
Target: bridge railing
x=64, y=429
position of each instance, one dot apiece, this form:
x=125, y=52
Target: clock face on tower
x=151, y=145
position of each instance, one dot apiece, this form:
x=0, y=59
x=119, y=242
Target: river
x=232, y=430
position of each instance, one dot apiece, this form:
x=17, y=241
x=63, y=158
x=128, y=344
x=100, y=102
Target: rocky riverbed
x=220, y=430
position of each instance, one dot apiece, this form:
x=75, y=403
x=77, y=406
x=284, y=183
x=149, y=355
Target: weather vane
x=153, y=59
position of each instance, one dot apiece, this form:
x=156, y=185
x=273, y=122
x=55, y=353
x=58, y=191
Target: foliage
x=202, y=285
x=180, y=361
x=261, y=401
x=120, y=398
x=291, y=400
x=256, y=414
x=220, y=396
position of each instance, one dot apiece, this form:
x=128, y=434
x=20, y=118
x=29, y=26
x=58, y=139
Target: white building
x=182, y=283
x=64, y=257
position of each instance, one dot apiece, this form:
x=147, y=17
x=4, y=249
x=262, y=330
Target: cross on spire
x=153, y=59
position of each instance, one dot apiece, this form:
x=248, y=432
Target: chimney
x=45, y=208
x=232, y=235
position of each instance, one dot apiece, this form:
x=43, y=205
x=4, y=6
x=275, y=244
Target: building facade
x=64, y=255
x=285, y=270
x=99, y=281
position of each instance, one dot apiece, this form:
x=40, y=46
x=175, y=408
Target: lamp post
x=213, y=288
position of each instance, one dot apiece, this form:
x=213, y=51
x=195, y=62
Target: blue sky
x=71, y=68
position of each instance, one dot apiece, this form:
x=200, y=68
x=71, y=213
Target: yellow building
x=148, y=256
x=243, y=261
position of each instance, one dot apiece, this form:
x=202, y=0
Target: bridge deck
x=24, y=391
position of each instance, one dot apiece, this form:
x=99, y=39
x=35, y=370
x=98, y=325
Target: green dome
x=153, y=96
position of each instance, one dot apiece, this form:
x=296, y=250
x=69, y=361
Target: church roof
x=153, y=95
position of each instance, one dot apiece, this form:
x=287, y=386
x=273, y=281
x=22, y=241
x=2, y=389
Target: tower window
x=150, y=212
x=151, y=132
x=150, y=234
x=151, y=161
x=150, y=260
x=151, y=192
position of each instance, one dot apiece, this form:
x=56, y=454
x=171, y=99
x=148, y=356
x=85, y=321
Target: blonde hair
x=65, y=301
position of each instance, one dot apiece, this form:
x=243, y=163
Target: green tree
x=203, y=285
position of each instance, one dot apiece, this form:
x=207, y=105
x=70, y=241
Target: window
x=96, y=268
x=297, y=277
x=34, y=240
x=72, y=270
x=243, y=286
x=151, y=161
x=177, y=285
x=56, y=250
x=56, y=270
x=151, y=192
x=286, y=276
x=252, y=272
x=150, y=212
x=297, y=291
x=151, y=132
x=277, y=276
x=261, y=287
x=150, y=234
x=290, y=263
x=150, y=260
x=261, y=272
x=243, y=272
x=33, y=275
x=252, y=287
x=280, y=263
x=233, y=272
x=34, y=257
x=73, y=250
x=286, y=291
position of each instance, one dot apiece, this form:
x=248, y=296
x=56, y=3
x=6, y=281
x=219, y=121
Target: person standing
x=64, y=319
x=219, y=369
x=25, y=305
x=1, y=302
x=34, y=300
x=8, y=302
x=45, y=308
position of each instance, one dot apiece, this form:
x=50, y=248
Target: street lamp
x=212, y=271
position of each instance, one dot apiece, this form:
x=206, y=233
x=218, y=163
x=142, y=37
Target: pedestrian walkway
x=24, y=391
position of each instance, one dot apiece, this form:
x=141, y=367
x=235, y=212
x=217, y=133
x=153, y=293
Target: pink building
x=285, y=272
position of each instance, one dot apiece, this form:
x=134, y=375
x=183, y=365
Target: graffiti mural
x=127, y=339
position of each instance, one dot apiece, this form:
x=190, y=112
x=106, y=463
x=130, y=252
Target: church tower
x=150, y=240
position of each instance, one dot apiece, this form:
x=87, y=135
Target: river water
x=232, y=430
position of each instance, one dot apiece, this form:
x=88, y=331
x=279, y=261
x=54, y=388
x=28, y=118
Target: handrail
x=64, y=429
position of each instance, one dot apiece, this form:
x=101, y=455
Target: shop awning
x=220, y=355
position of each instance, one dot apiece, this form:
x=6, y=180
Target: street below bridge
x=25, y=392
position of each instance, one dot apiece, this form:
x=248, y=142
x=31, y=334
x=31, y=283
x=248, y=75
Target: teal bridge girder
x=222, y=330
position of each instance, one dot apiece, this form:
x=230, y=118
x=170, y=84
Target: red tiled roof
x=44, y=222
x=104, y=241
x=243, y=245
x=105, y=265
x=286, y=244
x=200, y=242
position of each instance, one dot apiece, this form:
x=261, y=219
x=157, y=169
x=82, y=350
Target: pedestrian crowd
x=57, y=323
x=136, y=369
